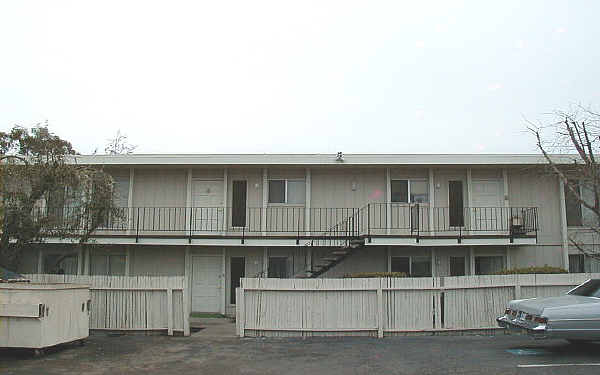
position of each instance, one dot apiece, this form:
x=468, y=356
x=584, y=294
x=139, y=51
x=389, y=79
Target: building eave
x=319, y=159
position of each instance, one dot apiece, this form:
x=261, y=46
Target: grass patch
x=206, y=315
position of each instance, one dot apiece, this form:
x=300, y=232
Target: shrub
x=374, y=274
x=531, y=270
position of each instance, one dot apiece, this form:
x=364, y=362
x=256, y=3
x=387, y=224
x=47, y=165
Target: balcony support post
x=471, y=260
x=470, y=198
x=563, y=224
x=431, y=202
x=86, y=265
x=130, y=200
x=225, y=200
x=137, y=226
x=369, y=222
x=388, y=201
x=307, y=204
x=188, y=200
x=40, y=260
x=127, y=260
x=265, y=201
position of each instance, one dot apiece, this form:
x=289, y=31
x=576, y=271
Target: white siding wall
x=333, y=187
x=530, y=188
x=157, y=260
x=531, y=255
x=159, y=188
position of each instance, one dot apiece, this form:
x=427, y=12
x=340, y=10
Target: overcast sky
x=302, y=76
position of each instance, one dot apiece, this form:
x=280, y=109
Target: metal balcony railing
x=322, y=226
x=420, y=219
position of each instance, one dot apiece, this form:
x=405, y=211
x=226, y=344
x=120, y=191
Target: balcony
x=376, y=223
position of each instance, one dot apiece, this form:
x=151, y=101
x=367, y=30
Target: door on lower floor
x=238, y=270
x=207, y=283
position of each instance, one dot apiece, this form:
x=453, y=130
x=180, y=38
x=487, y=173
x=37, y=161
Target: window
x=60, y=264
x=576, y=263
x=457, y=266
x=487, y=265
x=121, y=190
x=107, y=264
x=577, y=214
x=410, y=191
x=420, y=266
x=413, y=266
x=278, y=267
x=287, y=191
x=401, y=264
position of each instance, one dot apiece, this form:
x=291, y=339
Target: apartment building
x=216, y=218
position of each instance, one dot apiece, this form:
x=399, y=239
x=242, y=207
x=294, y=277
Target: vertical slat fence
x=385, y=306
x=132, y=303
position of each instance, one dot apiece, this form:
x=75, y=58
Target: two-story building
x=216, y=218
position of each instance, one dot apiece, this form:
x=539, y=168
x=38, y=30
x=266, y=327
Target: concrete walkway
x=213, y=327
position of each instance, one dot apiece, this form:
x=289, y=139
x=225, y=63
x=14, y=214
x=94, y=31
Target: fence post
x=237, y=310
x=242, y=314
x=169, y=311
x=380, y=309
x=517, y=287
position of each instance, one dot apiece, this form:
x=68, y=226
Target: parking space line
x=560, y=365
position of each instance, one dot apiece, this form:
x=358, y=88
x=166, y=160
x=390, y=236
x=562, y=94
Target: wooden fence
x=384, y=306
x=132, y=303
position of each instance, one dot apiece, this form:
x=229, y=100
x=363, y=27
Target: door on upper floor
x=207, y=203
x=455, y=204
x=487, y=214
x=239, y=194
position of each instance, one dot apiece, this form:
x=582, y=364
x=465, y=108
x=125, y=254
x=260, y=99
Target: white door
x=207, y=200
x=487, y=213
x=207, y=282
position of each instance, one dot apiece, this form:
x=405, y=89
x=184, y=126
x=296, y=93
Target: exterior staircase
x=345, y=237
x=333, y=258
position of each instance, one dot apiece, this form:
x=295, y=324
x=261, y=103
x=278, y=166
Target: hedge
x=374, y=274
x=531, y=270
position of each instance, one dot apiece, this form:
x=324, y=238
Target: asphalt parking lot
x=137, y=354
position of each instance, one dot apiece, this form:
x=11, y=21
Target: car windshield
x=590, y=288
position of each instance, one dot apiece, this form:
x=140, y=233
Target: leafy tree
x=45, y=193
x=576, y=136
